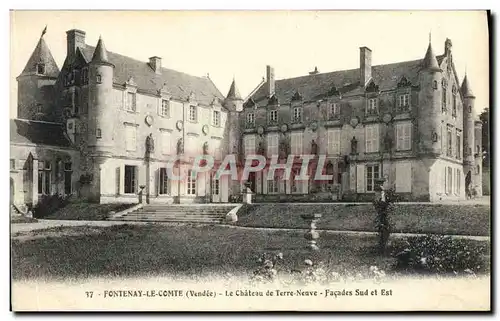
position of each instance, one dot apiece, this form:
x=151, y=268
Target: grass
x=19, y=219
x=154, y=249
x=86, y=211
x=407, y=218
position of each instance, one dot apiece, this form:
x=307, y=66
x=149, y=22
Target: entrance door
x=216, y=189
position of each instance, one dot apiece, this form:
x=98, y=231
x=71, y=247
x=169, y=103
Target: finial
x=44, y=31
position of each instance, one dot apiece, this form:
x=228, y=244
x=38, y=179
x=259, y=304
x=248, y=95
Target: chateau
x=103, y=126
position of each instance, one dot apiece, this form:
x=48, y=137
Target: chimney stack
x=74, y=38
x=155, y=63
x=270, y=80
x=365, y=65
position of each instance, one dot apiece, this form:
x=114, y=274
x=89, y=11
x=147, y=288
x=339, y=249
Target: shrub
x=382, y=220
x=441, y=254
x=266, y=271
x=48, y=204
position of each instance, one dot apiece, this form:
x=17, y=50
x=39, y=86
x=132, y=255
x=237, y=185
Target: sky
x=239, y=44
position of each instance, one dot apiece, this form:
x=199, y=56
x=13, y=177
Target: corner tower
x=469, y=140
x=35, y=84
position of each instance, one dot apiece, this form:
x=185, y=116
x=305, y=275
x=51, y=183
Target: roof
x=430, y=62
x=178, y=84
x=466, y=90
x=233, y=93
x=41, y=54
x=317, y=86
x=100, y=52
x=24, y=131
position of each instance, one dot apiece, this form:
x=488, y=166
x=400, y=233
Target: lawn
x=182, y=250
x=86, y=211
x=406, y=218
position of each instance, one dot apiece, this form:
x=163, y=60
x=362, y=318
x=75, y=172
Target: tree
x=485, y=119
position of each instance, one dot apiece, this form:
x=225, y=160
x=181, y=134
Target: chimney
x=365, y=65
x=155, y=63
x=74, y=38
x=270, y=80
x=314, y=72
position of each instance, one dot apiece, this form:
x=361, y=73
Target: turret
x=468, y=116
x=429, y=125
x=36, y=84
x=101, y=113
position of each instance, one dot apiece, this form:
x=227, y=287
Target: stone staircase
x=192, y=213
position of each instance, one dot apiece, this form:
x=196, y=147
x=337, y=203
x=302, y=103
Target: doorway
x=216, y=189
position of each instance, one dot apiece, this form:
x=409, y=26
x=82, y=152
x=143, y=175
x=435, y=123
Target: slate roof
x=41, y=54
x=233, y=93
x=24, y=131
x=466, y=90
x=178, y=84
x=317, y=86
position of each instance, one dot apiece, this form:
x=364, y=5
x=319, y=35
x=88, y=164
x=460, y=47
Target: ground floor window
x=294, y=184
x=44, y=177
x=130, y=179
x=216, y=187
x=272, y=186
x=68, y=172
x=191, y=183
x=164, y=183
x=372, y=173
x=448, y=179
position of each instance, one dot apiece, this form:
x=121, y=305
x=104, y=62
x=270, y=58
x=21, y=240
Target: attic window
x=40, y=69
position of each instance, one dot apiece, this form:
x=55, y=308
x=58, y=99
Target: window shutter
x=264, y=186
x=258, y=183
x=360, y=178
x=136, y=179
x=375, y=138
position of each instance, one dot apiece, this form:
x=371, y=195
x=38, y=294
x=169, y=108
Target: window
x=273, y=116
x=470, y=109
x=372, y=173
x=68, y=172
x=131, y=99
x=192, y=113
x=163, y=184
x=454, y=107
x=294, y=184
x=44, y=177
x=98, y=78
x=40, y=69
x=403, y=136
x=39, y=108
x=273, y=186
x=458, y=177
x=216, y=118
x=371, y=139
x=297, y=143
x=443, y=100
x=250, y=119
x=448, y=179
x=333, y=141
x=98, y=133
x=372, y=106
x=435, y=84
x=272, y=144
x=216, y=187
x=76, y=103
x=297, y=115
x=165, y=108
x=478, y=169
x=404, y=101
x=191, y=183
x=459, y=144
x=166, y=143
x=85, y=76
x=130, y=138
x=12, y=163
x=130, y=179
x=449, y=142
x=249, y=142
x=334, y=111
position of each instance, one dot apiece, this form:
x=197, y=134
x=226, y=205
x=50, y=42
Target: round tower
x=469, y=141
x=478, y=157
x=429, y=121
x=101, y=113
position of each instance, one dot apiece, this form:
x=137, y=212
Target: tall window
x=191, y=183
x=130, y=137
x=131, y=106
x=85, y=76
x=216, y=186
x=297, y=115
x=403, y=136
x=297, y=142
x=372, y=173
x=443, y=100
x=250, y=119
x=68, y=172
x=449, y=179
x=454, y=107
x=166, y=143
x=130, y=179
x=216, y=118
x=458, y=176
x=334, y=111
x=449, y=142
x=273, y=185
x=165, y=108
x=192, y=113
x=272, y=144
x=44, y=177
x=371, y=138
x=164, y=183
x=249, y=142
x=459, y=144
x=372, y=106
x=273, y=116
x=333, y=141
x=404, y=101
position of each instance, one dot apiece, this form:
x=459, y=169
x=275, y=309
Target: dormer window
x=404, y=101
x=297, y=114
x=372, y=106
x=250, y=120
x=273, y=116
x=334, y=111
x=192, y=113
x=40, y=69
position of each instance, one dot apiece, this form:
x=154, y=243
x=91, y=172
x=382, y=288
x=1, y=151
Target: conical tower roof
x=100, y=52
x=430, y=61
x=41, y=55
x=234, y=93
x=466, y=90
